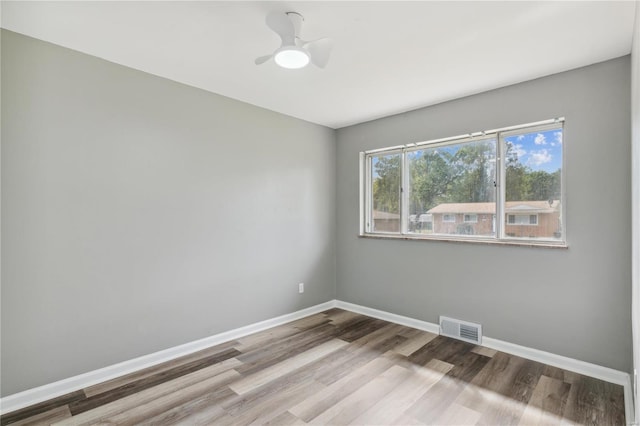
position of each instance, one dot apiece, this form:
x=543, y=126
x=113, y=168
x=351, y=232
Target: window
x=522, y=219
x=471, y=218
x=385, y=193
x=504, y=184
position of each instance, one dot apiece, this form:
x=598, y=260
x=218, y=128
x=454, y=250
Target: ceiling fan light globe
x=291, y=57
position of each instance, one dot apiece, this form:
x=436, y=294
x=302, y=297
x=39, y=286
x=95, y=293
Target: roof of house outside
x=378, y=215
x=490, y=208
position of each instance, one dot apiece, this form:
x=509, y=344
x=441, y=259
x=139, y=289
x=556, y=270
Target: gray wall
x=139, y=214
x=635, y=200
x=573, y=302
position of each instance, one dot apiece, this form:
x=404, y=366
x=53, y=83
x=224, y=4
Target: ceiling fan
x=295, y=52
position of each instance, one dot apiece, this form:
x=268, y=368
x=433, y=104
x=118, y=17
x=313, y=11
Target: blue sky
x=539, y=150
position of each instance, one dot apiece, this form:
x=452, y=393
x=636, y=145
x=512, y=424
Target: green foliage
x=431, y=177
x=386, y=187
x=524, y=184
x=457, y=174
x=452, y=175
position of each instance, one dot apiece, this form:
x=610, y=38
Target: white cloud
x=520, y=137
x=558, y=137
x=519, y=151
x=540, y=139
x=539, y=157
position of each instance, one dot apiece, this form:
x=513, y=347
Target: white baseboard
x=388, y=316
x=42, y=393
x=52, y=390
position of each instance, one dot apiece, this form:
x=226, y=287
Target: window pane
x=452, y=190
x=533, y=169
x=385, y=191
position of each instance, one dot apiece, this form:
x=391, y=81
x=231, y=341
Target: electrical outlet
x=301, y=288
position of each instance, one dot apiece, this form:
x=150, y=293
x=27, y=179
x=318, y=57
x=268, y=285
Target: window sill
x=485, y=241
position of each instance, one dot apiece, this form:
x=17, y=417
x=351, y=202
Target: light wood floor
x=338, y=367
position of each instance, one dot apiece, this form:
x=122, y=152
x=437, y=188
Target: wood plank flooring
x=339, y=368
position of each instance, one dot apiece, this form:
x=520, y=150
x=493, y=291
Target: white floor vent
x=462, y=330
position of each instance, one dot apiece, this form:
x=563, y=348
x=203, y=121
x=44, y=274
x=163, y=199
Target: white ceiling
x=388, y=57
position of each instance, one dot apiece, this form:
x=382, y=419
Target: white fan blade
x=320, y=50
x=262, y=59
x=280, y=23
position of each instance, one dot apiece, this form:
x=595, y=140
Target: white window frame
x=367, y=200
x=500, y=237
